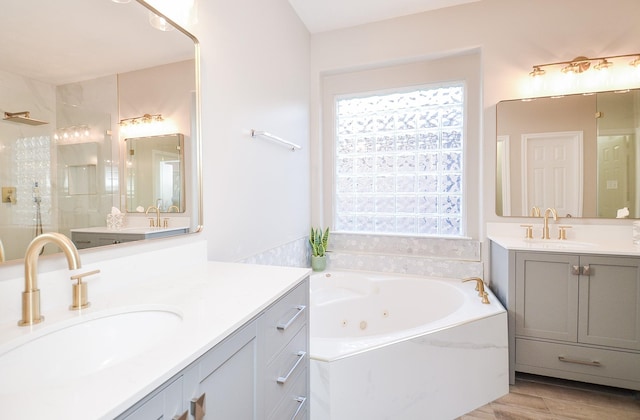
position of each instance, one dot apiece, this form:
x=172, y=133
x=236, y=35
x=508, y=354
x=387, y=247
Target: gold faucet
x=31, y=295
x=545, y=230
x=173, y=207
x=157, y=210
x=1, y=252
x=535, y=211
x=479, y=288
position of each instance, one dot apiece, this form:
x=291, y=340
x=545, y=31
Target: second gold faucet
x=545, y=229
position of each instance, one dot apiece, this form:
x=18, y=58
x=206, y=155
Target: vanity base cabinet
x=571, y=316
x=164, y=403
x=227, y=378
x=258, y=372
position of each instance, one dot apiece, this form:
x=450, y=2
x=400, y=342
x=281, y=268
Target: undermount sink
x=558, y=243
x=83, y=347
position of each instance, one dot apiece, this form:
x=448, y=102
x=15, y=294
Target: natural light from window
x=399, y=161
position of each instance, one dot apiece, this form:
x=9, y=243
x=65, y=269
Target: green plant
x=318, y=241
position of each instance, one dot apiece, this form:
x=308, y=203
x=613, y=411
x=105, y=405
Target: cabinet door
x=609, y=304
x=228, y=378
x=546, y=296
x=163, y=405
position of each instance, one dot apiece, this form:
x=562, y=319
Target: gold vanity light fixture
x=144, y=119
x=72, y=133
x=581, y=64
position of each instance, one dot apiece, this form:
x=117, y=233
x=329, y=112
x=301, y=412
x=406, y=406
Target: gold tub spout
x=1, y=252
x=31, y=295
x=479, y=288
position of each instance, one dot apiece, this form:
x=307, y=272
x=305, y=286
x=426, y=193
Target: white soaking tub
x=390, y=346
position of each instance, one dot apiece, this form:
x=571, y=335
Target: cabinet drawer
x=295, y=404
x=610, y=367
x=285, y=319
x=281, y=373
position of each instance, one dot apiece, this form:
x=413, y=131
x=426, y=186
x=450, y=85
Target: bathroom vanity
x=101, y=236
x=573, y=308
x=259, y=371
x=172, y=341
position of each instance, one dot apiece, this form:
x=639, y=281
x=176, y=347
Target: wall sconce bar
x=582, y=64
x=143, y=119
x=292, y=146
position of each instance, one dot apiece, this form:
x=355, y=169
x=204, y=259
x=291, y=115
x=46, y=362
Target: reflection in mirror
x=576, y=153
x=61, y=164
x=155, y=173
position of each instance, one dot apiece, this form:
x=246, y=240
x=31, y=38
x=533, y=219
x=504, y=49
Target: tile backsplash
x=437, y=257
x=428, y=256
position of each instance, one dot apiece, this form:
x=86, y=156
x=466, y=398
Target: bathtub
x=390, y=346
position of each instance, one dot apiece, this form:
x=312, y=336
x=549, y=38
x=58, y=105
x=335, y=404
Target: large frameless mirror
x=577, y=153
x=77, y=77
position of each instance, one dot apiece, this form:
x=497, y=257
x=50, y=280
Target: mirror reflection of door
x=155, y=173
x=616, y=180
x=552, y=172
x=166, y=179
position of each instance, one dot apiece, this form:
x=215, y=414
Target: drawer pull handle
x=198, y=407
x=301, y=402
x=300, y=355
x=183, y=416
x=284, y=325
x=580, y=362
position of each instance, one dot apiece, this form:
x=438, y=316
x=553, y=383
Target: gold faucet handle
x=562, y=231
x=479, y=284
x=485, y=298
x=528, y=233
x=79, y=294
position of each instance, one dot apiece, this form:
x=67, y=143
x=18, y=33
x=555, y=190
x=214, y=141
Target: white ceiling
x=326, y=15
x=71, y=40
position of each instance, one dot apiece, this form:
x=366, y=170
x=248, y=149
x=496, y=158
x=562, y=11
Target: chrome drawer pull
x=300, y=355
x=301, y=402
x=284, y=325
x=580, y=362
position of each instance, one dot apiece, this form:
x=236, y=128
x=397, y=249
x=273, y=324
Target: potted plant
x=318, y=241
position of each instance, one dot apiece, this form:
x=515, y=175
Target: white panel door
x=552, y=172
x=613, y=175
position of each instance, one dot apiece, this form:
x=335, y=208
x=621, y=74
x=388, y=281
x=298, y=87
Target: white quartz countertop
x=128, y=230
x=213, y=299
x=600, y=240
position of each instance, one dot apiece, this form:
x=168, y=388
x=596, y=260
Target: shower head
x=22, y=118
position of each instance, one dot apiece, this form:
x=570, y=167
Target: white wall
x=255, y=74
x=512, y=35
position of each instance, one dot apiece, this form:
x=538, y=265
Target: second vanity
x=100, y=236
x=223, y=338
x=573, y=305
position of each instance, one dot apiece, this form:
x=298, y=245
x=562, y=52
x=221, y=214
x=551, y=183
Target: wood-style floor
x=539, y=398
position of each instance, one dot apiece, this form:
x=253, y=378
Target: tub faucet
x=479, y=288
x=2, y=257
x=31, y=295
x=157, y=210
x=545, y=229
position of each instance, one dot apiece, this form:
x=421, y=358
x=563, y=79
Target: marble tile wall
x=438, y=257
x=292, y=254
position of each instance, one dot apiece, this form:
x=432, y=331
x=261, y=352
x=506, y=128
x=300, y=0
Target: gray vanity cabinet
x=226, y=383
x=261, y=371
x=573, y=316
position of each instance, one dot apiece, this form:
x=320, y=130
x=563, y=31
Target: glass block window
x=399, y=162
